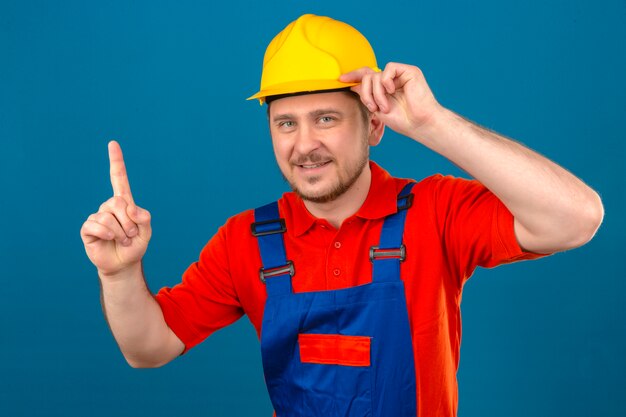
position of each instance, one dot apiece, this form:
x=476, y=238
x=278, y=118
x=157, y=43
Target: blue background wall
x=168, y=81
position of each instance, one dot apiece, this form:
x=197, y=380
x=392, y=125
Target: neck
x=344, y=206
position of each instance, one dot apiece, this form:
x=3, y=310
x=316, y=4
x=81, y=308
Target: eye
x=326, y=120
x=286, y=124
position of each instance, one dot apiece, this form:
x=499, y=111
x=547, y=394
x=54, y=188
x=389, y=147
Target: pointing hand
x=117, y=236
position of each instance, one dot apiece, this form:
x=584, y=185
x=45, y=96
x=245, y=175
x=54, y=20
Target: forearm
x=136, y=320
x=553, y=209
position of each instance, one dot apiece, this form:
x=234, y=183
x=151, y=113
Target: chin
x=320, y=194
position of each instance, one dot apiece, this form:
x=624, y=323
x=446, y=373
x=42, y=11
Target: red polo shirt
x=453, y=226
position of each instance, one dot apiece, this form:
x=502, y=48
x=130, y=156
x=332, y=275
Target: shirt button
x=337, y=245
x=336, y=272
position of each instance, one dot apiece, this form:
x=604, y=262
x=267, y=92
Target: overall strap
x=268, y=228
x=386, y=257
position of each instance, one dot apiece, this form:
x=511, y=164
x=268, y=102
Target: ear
x=376, y=130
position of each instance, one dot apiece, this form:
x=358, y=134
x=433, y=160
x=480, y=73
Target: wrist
x=433, y=127
x=127, y=273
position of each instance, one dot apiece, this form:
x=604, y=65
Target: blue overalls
x=337, y=353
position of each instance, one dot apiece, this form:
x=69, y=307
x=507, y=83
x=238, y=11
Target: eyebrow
x=314, y=113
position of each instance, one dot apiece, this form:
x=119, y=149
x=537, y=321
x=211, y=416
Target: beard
x=346, y=177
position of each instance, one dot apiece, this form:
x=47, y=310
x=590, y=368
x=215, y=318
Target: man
x=353, y=281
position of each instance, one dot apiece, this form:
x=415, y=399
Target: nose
x=306, y=140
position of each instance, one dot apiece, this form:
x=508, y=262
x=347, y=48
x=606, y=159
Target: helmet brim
x=299, y=87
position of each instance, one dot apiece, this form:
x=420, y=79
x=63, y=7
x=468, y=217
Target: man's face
x=321, y=142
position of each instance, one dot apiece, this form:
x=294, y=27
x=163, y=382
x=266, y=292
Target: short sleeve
x=475, y=226
x=205, y=300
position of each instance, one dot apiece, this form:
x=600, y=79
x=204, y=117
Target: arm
x=115, y=239
x=553, y=209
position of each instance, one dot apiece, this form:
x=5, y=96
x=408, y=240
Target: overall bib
x=337, y=353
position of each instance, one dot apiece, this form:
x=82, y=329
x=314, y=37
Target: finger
x=366, y=93
x=93, y=231
x=118, y=207
x=109, y=221
x=355, y=76
x=397, y=75
x=388, y=79
x=119, y=178
x=141, y=217
x=380, y=94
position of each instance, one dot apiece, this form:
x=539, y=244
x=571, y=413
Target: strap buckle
x=265, y=227
x=405, y=201
x=388, y=253
x=274, y=272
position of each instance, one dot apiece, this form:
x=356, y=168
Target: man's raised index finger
x=119, y=179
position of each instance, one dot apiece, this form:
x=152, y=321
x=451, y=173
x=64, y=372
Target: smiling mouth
x=313, y=166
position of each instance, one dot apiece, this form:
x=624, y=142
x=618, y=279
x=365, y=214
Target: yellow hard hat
x=310, y=54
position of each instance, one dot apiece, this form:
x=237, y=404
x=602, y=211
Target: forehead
x=340, y=101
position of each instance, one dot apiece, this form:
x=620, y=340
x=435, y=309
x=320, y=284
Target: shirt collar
x=382, y=197
x=380, y=202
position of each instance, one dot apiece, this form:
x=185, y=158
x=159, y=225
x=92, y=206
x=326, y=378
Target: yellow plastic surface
x=310, y=54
